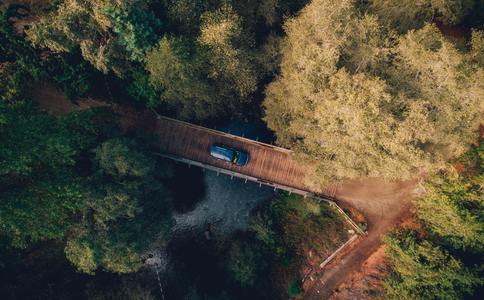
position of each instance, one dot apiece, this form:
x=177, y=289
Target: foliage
x=221, y=31
x=442, y=260
x=453, y=210
x=110, y=34
x=184, y=15
x=39, y=211
x=35, y=142
x=279, y=236
x=299, y=223
x=40, y=190
x=211, y=75
x=109, y=211
x=245, y=263
x=136, y=29
x=175, y=73
x=70, y=73
x=425, y=271
x=139, y=88
x=295, y=289
x=116, y=159
x=409, y=14
x=127, y=211
x=452, y=207
x=355, y=100
x=18, y=63
x=23, y=64
x=213, y=63
x=203, y=59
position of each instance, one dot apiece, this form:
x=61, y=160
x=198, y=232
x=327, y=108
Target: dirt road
x=384, y=204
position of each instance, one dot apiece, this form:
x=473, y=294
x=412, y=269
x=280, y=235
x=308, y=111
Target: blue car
x=237, y=157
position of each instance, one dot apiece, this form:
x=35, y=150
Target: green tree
x=175, y=71
x=21, y=64
x=139, y=88
x=453, y=205
x=18, y=63
x=421, y=270
x=37, y=142
x=440, y=260
x=453, y=210
x=245, y=263
x=206, y=75
x=40, y=189
x=40, y=211
x=128, y=211
x=221, y=31
x=110, y=33
x=265, y=261
x=109, y=212
x=355, y=100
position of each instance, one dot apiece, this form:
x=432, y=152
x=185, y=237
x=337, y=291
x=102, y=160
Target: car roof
x=222, y=152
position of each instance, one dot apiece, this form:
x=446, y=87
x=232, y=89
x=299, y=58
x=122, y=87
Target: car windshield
x=225, y=153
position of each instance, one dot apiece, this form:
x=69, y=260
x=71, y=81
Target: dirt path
x=53, y=101
x=384, y=205
x=365, y=283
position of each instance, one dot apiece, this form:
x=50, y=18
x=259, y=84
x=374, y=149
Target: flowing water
x=226, y=204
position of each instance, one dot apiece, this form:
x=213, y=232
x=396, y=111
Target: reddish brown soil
x=384, y=204
x=53, y=101
x=366, y=282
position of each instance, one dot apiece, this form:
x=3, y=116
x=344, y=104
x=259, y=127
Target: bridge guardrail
x=225, y=134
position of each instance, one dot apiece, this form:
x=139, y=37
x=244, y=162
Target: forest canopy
x=197, y=59
x=355, y=98
x=441, y=258
x=377, y=88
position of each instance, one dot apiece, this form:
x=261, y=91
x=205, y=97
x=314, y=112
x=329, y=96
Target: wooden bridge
x=188, y=143
x=269, y=165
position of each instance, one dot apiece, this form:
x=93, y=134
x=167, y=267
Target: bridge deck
x=267, y=163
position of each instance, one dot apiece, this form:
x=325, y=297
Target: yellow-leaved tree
x=355, y=99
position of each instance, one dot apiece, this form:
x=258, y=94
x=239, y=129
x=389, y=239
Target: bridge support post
x=260, y=184
x=245, y=180
x=275, y=189
x=231, y=176
x=218, y=173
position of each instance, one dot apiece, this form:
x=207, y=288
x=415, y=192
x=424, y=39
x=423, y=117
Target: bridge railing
x=225, y=134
